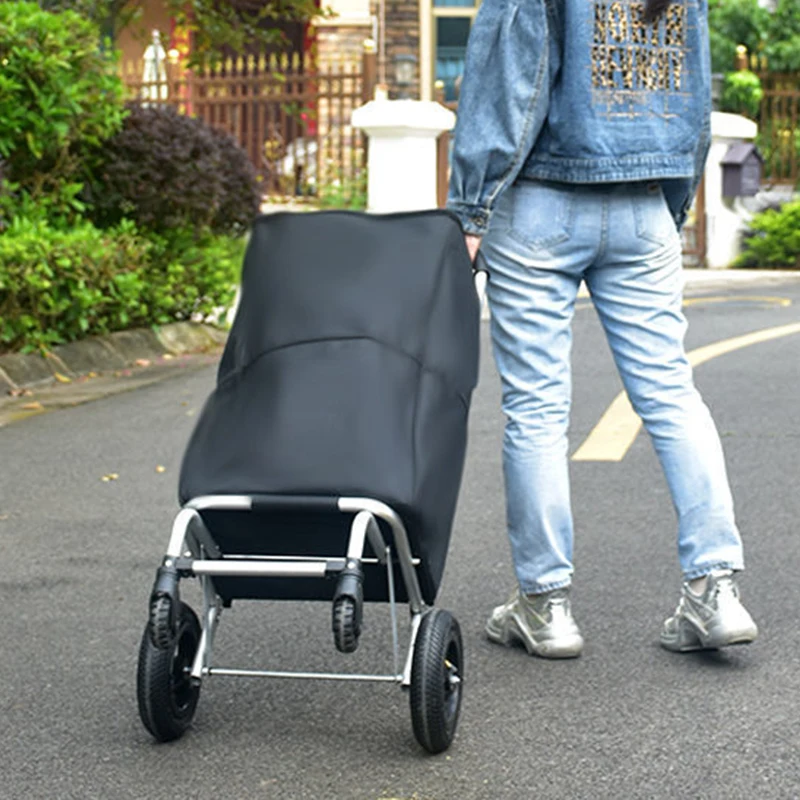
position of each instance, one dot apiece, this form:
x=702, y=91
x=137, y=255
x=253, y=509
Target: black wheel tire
x=161, y=631
x=437, y=674
x=346, y=627
x=166, y=693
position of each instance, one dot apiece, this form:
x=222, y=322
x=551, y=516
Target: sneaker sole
x=691, y=648
x=717, y=639
x=568, y=647
x=713, y=640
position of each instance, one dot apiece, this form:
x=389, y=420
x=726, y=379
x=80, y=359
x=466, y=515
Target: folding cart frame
x=176, y=649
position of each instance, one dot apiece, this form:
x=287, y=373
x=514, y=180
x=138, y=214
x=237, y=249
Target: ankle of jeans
x=544, y=588
x=701, y=572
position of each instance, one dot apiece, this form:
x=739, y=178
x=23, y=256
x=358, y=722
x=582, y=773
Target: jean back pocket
x=541, y=214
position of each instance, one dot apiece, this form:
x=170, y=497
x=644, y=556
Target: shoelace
x=726, y=590
x=559, y=610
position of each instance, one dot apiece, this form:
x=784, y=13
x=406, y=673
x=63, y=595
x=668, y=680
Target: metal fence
x=779, y=127
x=291, y=115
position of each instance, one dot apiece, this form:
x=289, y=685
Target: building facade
x=418, y=42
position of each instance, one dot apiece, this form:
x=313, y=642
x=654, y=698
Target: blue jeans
x=621, y=240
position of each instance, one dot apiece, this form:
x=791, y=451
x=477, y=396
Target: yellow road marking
x=619, y=426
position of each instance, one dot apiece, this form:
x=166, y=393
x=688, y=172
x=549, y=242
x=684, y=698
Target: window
x=451, y=47
x=450, y=23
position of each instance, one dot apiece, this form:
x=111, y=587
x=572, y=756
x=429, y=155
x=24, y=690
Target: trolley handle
x=294, y=503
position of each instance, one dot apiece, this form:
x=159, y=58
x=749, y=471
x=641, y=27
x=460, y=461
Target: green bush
x=241, y=195
x=61, y=285
x=742, y=93
x=167, y=171
x=166, y=189
x=60, y=98
x=57, y=285
x=191, y=275
x=5, y=197
x=344, y=192
x=774, y=239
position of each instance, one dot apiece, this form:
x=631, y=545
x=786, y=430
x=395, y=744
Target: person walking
x=583, y=129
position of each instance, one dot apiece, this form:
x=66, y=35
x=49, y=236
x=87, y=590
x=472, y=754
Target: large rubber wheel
x=346, y=626
x=437, y=673
x=160, y=628
x=166, y=693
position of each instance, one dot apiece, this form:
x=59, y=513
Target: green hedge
x=57, y=285
x=192, y=276
x=72, y=264
x=774, y=239
x=742, y=93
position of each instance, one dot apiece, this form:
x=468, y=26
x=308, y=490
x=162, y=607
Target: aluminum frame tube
x=384, y=512
x=329, y=676
x=260, y=569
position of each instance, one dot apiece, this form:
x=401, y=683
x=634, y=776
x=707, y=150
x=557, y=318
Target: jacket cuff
x=473, y=219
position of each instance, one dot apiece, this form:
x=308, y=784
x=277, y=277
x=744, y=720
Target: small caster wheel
x=346, y=624
x=166, y=693
x=437, y=672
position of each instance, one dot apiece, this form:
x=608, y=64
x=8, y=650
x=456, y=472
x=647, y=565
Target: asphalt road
x=627, y=720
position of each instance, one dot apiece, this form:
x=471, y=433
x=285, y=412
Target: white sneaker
x=711, y=620
x=543, y=623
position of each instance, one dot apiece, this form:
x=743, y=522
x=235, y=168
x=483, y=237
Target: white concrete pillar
x=726, y=218
x=402, y=152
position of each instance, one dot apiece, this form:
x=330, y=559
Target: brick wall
x=341, y=42
x=402, y=38
x=339, y=38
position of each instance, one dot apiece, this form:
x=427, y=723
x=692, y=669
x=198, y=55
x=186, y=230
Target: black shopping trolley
x=326, y=463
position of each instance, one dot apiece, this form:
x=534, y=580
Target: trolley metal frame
x=192, y=552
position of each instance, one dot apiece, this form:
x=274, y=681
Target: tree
x=217, y=26
x=773, y=36
x=110, y=16
x=735, y=22
x=783, y=37
x=60, y=99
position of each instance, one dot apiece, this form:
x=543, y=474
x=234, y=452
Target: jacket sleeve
x=502, y=106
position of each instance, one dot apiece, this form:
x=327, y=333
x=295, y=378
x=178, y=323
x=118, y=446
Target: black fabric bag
x=348, y=371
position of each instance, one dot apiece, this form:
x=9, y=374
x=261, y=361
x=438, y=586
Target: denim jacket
x=581, y=91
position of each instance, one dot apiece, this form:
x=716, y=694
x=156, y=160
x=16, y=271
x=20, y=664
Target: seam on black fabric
x=243, y=370
x=441, y=262
x=432, y=297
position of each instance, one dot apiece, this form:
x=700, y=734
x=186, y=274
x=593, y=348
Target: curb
x=115, y=351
